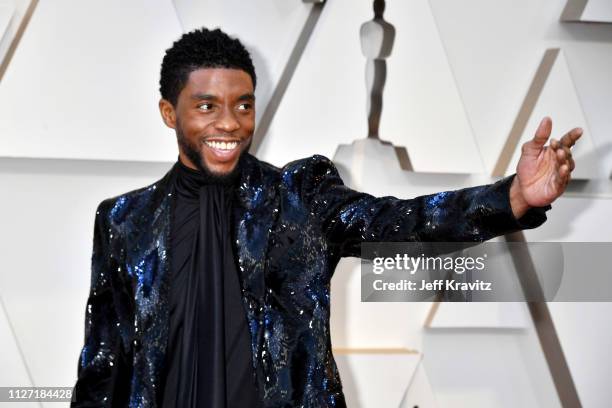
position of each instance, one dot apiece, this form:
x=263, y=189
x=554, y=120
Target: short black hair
x=201, y=48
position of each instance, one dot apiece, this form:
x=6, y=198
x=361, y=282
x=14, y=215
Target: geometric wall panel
x=559, y=100
x=419, y=392
x=575, y=219
x=587, y=11
x=376, y=378
x=13, y=373
x=590, y=68
x=488, y=369
x=6, y=13
x=325, y=102
x=573, y=320
x=423, y=110
x=599, y=11
x=494, y=71
x=579, y=219
x=356, y=324
x=480, y=315
x=83, y=82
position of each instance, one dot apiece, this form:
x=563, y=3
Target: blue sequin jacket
x=291, y=227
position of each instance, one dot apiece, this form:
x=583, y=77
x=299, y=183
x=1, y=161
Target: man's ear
x=167, y=112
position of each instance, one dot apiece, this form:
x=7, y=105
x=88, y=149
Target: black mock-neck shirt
x=208, y=356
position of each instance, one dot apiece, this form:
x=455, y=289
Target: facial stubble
x=192, y=152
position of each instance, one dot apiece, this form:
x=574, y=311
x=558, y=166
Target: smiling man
x=211, y=287
x=213, y=115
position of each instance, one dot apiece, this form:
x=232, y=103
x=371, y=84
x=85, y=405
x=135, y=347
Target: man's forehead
x=222, y=79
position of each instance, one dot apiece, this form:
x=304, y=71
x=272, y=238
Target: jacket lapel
x=255, y=208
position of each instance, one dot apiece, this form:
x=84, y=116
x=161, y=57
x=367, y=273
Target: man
x=210, y=287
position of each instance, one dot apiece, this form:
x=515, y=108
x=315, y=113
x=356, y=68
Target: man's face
x=214, y=119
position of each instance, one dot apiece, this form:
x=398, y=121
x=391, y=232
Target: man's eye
x=244, y=106
x=205, y=106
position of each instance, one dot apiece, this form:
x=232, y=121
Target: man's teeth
x=222, y=145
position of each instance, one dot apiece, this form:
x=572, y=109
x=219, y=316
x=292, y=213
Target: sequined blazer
x=290, y=228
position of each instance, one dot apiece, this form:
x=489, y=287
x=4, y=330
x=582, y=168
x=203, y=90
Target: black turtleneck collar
x=189, y=181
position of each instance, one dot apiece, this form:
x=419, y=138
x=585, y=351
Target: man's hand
x=542, y=172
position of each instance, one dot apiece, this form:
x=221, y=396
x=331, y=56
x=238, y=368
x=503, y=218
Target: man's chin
x=220, y=170
x=221, y=174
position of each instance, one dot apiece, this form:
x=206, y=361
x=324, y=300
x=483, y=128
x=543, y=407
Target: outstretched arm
x=474, y=214
x=348, y=217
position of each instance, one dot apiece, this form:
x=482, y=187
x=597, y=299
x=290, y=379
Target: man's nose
x=227, y=121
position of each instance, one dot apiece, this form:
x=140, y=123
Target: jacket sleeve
x=98, y=365
x=349, y=218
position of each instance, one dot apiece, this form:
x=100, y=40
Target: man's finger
x=567, y=176
x=543, y=132
x=561, y=178
x=557, y=179
x=554, y=143
x=568, y=152
x=569, y=139
x=561, y=155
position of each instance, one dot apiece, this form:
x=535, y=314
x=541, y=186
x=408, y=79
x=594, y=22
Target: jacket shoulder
x=312, y=163
x=309, y=172
x=115, y=210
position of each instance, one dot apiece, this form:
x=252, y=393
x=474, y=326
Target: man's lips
x=222, y=144
x=223, y=149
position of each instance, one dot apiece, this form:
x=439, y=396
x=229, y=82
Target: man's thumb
x=543, y=132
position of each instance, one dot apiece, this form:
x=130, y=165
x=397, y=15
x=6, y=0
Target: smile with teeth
x=222, y=145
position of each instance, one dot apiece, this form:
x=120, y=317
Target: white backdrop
x=79, y=123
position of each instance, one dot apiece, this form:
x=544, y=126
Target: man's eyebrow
x=201, y=96
x=247, y=97
x=210, y=97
